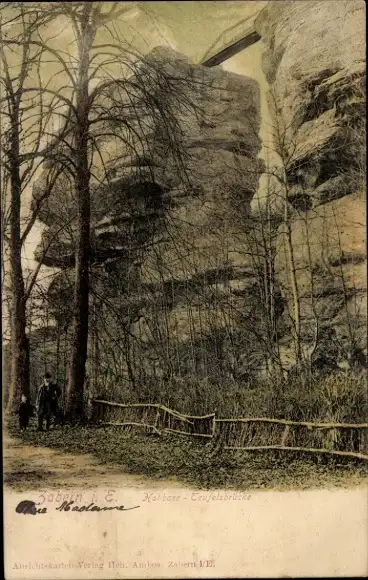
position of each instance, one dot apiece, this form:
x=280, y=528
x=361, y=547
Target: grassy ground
x=198, y=464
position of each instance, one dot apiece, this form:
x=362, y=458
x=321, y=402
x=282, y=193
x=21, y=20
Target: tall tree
x=24, y=101
x=101, y=90
x=85, y=27
x=24, y=124
x=110, y=95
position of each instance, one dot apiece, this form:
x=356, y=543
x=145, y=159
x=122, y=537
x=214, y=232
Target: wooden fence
x=238, y=434
x=154, y=417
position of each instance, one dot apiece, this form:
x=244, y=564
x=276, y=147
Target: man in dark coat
x=47, y=401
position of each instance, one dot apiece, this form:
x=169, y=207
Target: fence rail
x=308, y=424
x=238, y=434
x=154, y=416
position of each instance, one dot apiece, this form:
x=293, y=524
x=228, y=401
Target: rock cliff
x=314, y=61
x=185, y=280
x=168, y=230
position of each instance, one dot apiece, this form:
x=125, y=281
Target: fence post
x=285, y=435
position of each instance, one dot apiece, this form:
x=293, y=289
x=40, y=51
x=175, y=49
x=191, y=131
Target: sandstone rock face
x=217, y=121
x=314, y=61
x=168, y=242
x=185, y=279
x=330, y=259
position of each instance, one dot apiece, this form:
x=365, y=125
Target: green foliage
x=300, y=398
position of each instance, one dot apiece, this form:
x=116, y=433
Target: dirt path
x=27, y=467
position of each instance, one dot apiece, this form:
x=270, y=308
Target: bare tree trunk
x=293, y=282
x=285, y=148
x=76, y=377
x=19, y=365
x=77, y=370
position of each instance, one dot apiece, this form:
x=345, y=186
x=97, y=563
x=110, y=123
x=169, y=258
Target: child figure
x=25, y=412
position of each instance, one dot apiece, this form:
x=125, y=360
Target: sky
x=193, y=28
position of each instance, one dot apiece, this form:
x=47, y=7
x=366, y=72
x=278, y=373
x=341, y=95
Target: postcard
x=184, y=299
